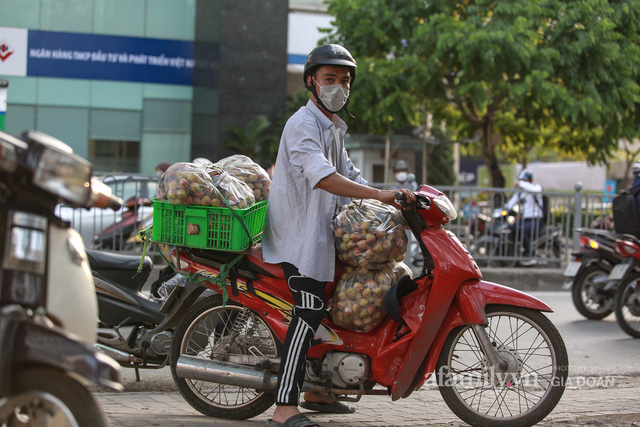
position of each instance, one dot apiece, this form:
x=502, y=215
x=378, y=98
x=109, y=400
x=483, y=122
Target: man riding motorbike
x=313, y=175
x=531, y=221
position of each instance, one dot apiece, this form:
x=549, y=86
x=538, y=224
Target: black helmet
x=328, y=54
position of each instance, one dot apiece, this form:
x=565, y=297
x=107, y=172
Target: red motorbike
x=494, y=355
x=625, y=279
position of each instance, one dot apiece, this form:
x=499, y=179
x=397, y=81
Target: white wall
x=564, y=175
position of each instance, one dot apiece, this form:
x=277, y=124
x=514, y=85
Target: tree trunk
x=489, y=145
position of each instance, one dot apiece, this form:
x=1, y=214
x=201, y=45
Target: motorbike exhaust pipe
x=225, y=373
x=117, y=355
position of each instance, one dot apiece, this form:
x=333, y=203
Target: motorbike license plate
x=618, y=271
x=572, y=269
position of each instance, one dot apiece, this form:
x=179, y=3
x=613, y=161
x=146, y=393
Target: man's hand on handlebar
x=389, y=196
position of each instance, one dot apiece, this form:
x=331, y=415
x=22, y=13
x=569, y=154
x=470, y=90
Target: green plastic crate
x=208, y=227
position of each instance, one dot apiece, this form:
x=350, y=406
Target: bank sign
x=35, y=53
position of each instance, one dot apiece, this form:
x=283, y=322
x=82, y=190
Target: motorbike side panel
x=70, y=285
x=453, y=266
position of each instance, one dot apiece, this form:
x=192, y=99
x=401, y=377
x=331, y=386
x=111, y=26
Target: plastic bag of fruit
x=186, y=183
x=238, y=195
x=371, y=234
x=358, y=300
x=249, y=172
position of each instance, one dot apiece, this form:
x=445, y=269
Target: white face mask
x=333, y=97
x=401, y=176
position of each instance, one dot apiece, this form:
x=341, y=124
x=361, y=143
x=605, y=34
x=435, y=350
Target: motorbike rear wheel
x=627, y=304
x=199, y=333
x=46, y=396
x=532, y=383
x=590, y=301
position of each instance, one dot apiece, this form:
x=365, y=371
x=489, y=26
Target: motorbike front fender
x=499, y=294
x=469, y=308
x=39, y=344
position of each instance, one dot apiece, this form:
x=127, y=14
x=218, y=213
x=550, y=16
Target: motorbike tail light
x=593, y=244
x=584, y=240
x=627, y=248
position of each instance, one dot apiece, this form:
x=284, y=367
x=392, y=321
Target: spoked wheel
x=589, y=298
x=627, y=305
x=214, y=332
x=44, y=396
x=534, y=375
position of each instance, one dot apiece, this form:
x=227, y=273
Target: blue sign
x=103, y=57
x=610, y=187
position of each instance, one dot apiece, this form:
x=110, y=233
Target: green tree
x=517, y=74
x=253, y=140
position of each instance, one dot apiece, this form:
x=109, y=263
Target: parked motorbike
x=496, y=357
x=587, y=274
x=502, y=247
x=126, y=315
x=627, y=277
x=47, y=302
x=123, y=235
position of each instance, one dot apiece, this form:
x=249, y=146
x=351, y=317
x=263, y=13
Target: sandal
x=299, y=420
x=335, y=407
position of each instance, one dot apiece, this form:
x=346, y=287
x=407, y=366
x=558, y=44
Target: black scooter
x=587, y=274
x=126, y=315
x=502, y=247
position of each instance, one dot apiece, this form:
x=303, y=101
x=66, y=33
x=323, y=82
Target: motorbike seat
x=254, y=263
x=110, y=261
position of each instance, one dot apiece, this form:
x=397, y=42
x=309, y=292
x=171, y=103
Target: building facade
x=132, y=83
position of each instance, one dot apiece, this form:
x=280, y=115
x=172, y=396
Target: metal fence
x=484, y=228
x=480, y=225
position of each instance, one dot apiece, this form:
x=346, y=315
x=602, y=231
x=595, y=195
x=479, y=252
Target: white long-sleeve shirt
x=298, y=224
x=530, y=196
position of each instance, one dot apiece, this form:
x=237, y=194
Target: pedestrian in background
x=403, y=178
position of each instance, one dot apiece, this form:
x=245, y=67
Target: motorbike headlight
x=8, y=154
x=65, y=175
x=26, y=246
x=445, y=206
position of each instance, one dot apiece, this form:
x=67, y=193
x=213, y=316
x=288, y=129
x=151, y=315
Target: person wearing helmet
x=404, y=179
x=313, y=176
x=529, y=197
x=636, y=183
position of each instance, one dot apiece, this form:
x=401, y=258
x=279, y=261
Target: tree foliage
x=253, y=140
x=514, y=74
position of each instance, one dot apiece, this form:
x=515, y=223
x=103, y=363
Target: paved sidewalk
x=614, y=405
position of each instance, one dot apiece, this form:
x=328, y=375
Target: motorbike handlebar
x=401, y=199
x=102, y=197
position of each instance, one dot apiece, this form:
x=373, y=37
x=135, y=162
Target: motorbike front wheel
x=588, y=298
x=627, y=304
x=530, y=386
x=45, y=396
x=214, y=332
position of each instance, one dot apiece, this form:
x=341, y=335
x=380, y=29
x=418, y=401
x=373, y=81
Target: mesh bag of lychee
x=185, y=183
x=370, y=234
x=249, y=172
x=358, y=299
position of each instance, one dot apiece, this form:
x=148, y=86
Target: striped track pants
x=308, y=311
